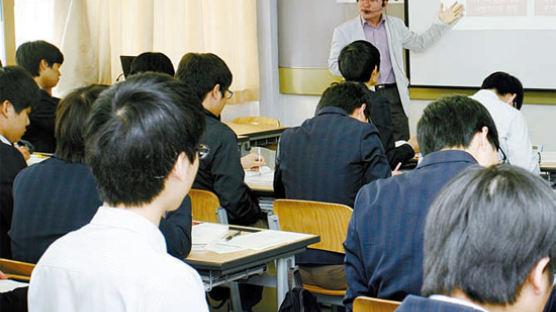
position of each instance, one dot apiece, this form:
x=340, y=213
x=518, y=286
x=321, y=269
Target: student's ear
x=43, y=65
x=4, y=108
x=215, y=92
x=181, y=167
x=538, y=277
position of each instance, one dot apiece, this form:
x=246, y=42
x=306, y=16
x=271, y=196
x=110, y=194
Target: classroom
x=277, y=155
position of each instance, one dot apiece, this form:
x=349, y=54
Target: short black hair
x=505, y=83
x=452, y=121
x=358, y=60
x=347, y=95
x=18, y=87
x=135, y=134
x=71, y=114
x=151, y=61
x=30, y=54
x=203, y=71
x=486, y=240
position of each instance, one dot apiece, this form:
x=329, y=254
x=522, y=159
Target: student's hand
x=3, y=276
x=252, y=161
x=452, y=14
x=414, y=144
x=24, y=150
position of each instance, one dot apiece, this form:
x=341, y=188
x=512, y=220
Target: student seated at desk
x=491, y=247
x=328, y=158
x=46, y=194
x=222, y=171
x=359, y=61
x=43, y=61
x=141, y=145
x=18, y=92
x=502, y=95
x=384, y=242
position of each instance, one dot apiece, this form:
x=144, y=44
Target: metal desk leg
x=235, y=296
x=282, y=268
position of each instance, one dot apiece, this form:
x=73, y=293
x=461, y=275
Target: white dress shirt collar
x=5, y=141
x=122, y=218
x=457, y=301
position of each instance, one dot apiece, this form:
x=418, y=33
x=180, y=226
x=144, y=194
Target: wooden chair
x=257, y=120
x=329, y=221
x=16, y=269
x=205, y=206
x=368, y=304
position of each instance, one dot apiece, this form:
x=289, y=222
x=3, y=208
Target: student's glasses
x=228, y=94
x=202, y=150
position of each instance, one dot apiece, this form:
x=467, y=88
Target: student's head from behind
x=506, y=86
x=42, y=60
x=18, y=93
x=209, y=76
x=71, y=114
x=495, y=242
x=141, y=141
x=351, y=97
x=459, y=122
x=151, y=61
x=360, y=61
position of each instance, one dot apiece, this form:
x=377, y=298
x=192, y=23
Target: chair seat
x=323, y=291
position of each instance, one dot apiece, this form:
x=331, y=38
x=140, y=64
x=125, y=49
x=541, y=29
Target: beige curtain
x=93, y=34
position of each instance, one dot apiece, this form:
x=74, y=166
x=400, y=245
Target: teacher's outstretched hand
x=450, y=15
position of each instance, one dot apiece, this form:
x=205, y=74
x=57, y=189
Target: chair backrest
x=329, y=221
x=204, y=205
x=257, y=120
x=16, y=269
x=368, y=304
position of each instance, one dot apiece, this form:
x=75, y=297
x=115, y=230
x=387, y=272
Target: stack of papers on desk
x=263, y=176
x=9, y=285
x=212, y=237
x=265, y=239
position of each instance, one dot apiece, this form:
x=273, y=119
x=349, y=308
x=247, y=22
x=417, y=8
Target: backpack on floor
x=298, y=299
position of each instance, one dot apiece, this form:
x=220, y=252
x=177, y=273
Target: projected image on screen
x=545, y=7
x=496, y=7
x=515, y=36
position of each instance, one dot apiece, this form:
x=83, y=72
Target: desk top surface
x=235, y=261
x=247, y=129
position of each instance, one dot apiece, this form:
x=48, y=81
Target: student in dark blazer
x=43, y=61
x=45, y=194
x=385, y=236
x=490, y=247
x=360, y=61
x=18, y=92
x=328, y=158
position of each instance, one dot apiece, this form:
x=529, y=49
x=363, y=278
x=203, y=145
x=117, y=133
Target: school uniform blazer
x=384, y=244
x=55, y=197
x=328, y=158
x=417, y=304
x=399, y=37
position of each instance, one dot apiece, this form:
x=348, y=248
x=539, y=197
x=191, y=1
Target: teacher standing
x=390, y=35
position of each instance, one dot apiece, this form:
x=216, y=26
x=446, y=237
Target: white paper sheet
x=8, y=285
x=264, y=239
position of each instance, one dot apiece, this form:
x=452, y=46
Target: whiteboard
x=515, y=36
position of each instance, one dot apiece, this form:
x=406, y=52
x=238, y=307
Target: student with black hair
x=502, y=95
x=329, y=158
x=44, y=212
x=142, y=147
x=221, y=172
x=151, y=61
x=42, y=60
x=490, y=248
x=385, y=235
x=360, y=61
x=18, y=93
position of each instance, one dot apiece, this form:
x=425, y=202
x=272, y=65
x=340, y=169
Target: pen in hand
x=230, y=236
